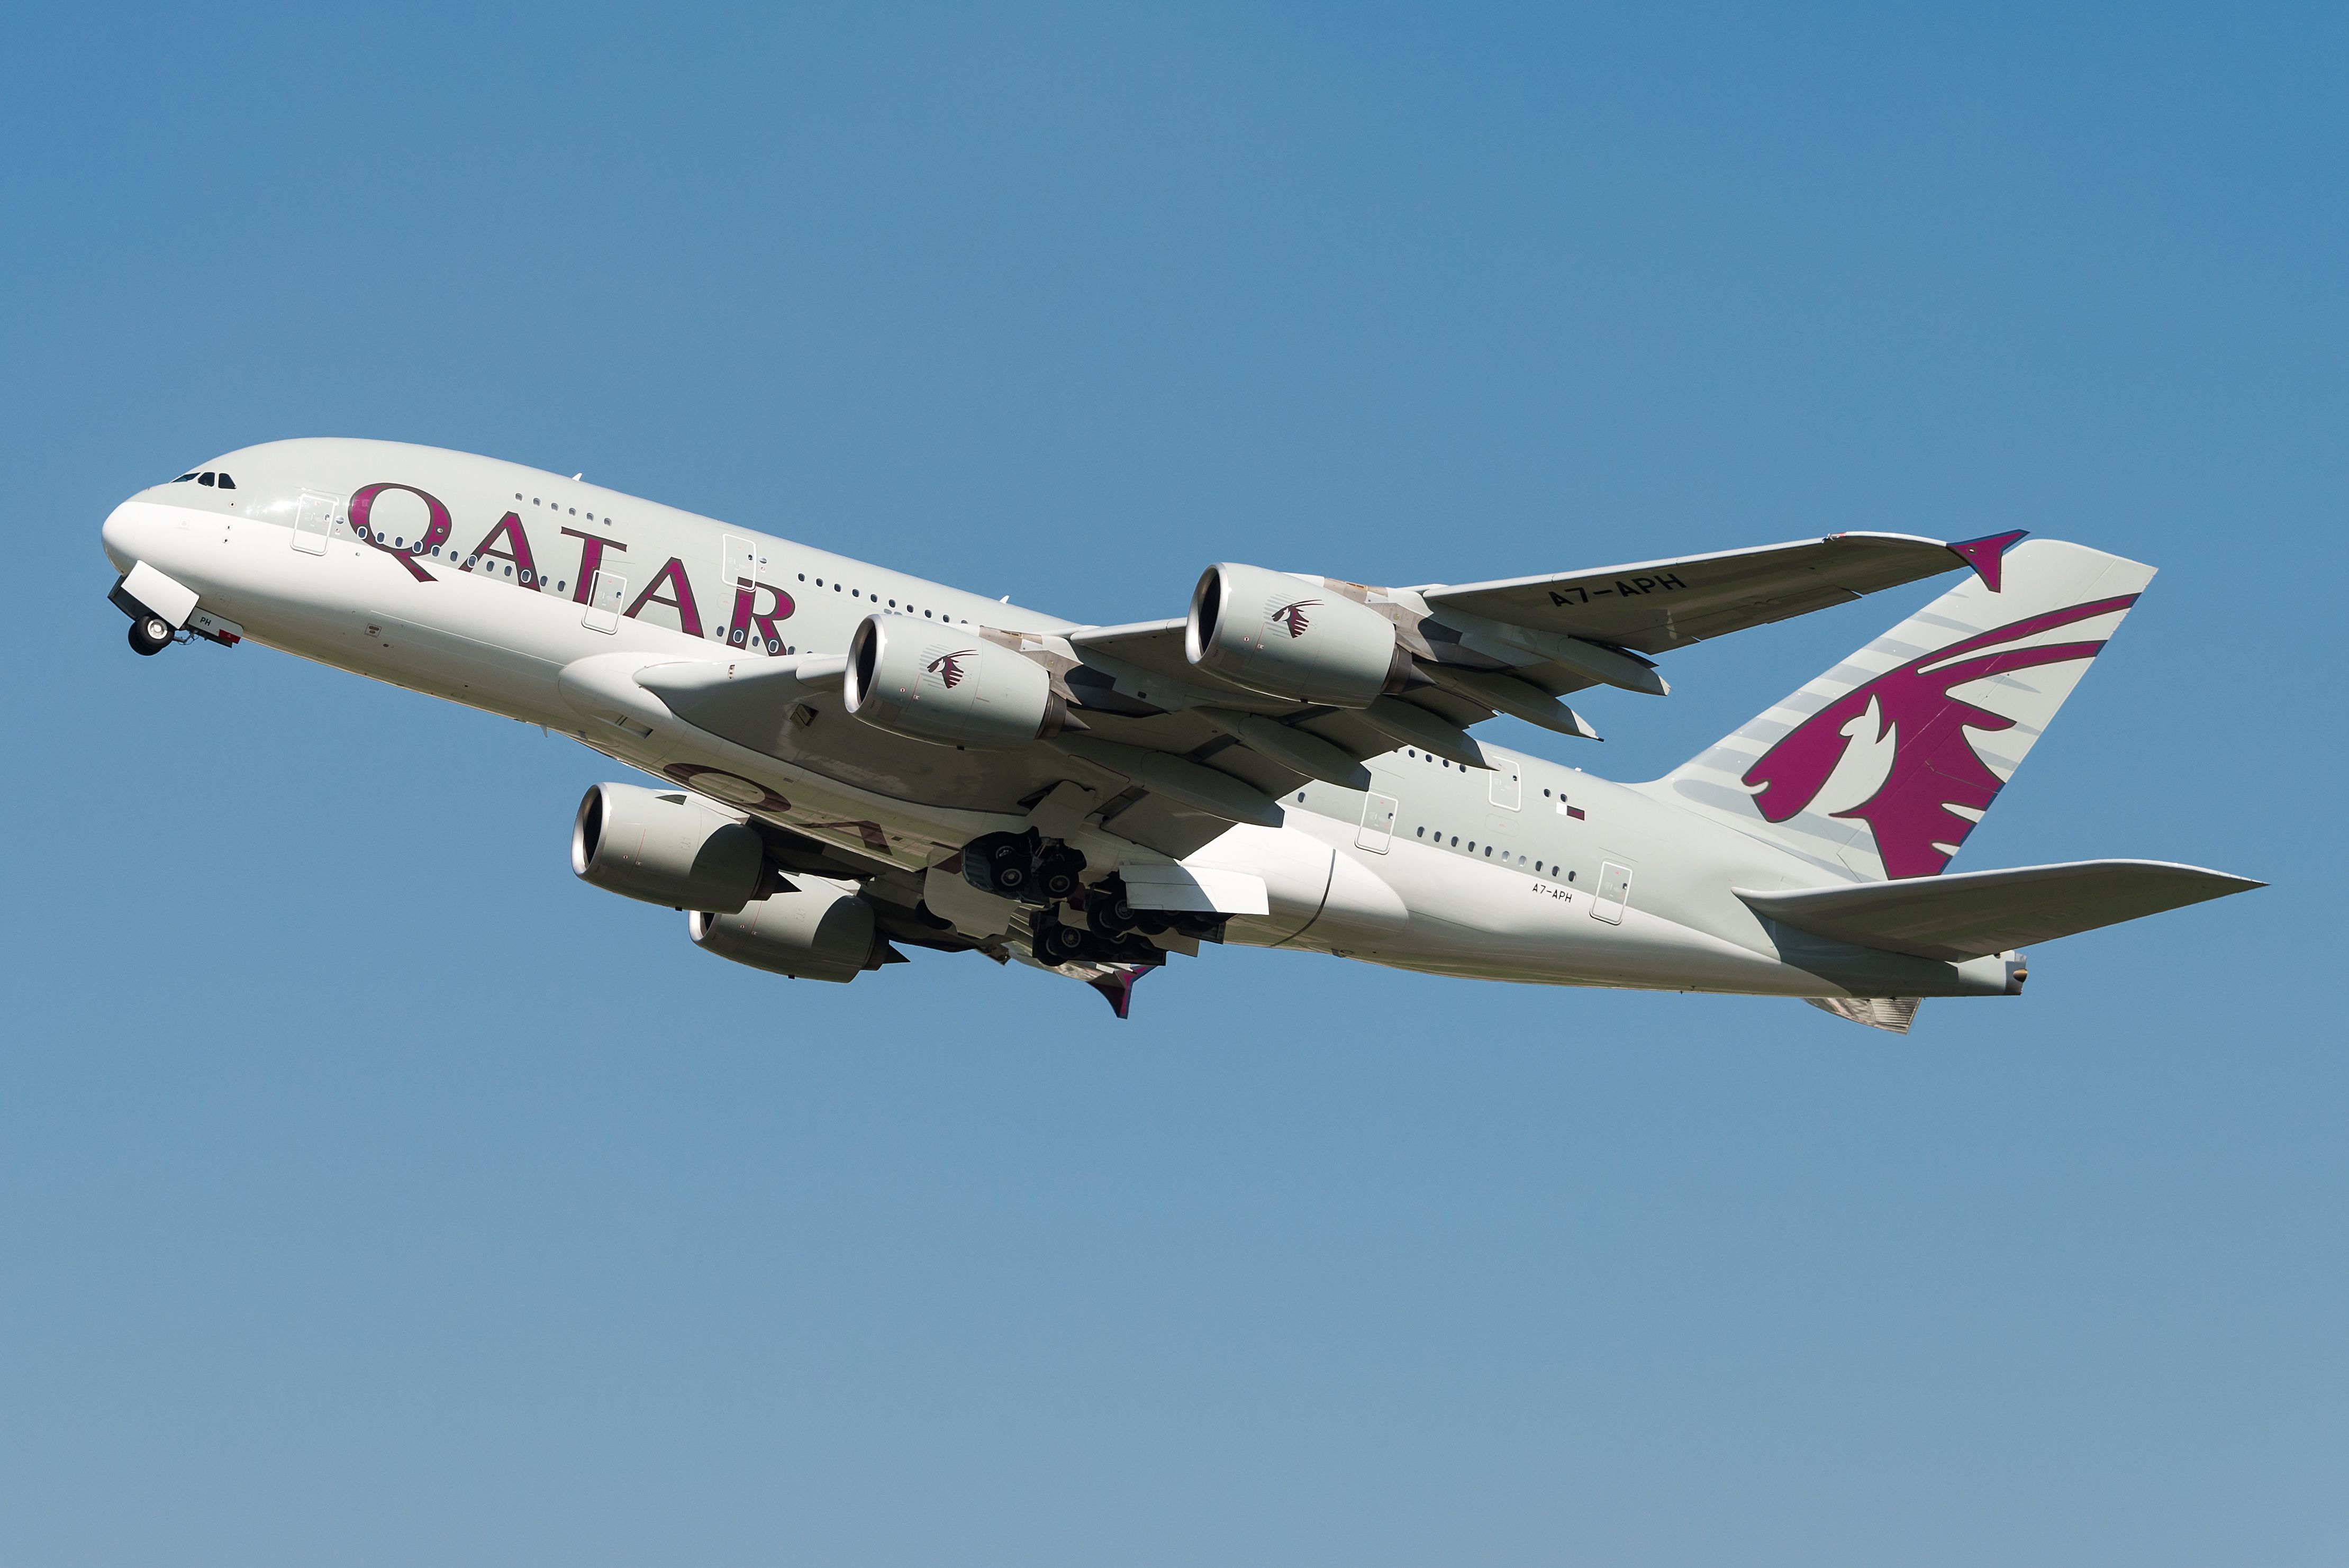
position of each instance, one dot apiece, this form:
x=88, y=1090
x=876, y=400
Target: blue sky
x=372, y=1191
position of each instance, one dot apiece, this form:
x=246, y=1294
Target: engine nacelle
x=945, y=685
x=822, y=931
x=664, y=846
x=1283, y=637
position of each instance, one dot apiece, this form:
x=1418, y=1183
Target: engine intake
x=947, y=686
x=822, y=931
x=664, y=846
x=1288, y=637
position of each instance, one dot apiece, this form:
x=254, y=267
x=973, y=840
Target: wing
x=1655, y=606
x=1480, y=650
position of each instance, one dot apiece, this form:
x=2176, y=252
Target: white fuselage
x=535, y=596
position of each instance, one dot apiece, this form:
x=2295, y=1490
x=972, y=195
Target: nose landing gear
x=150, y=635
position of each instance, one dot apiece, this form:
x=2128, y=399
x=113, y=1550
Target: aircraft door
x=1378, y=823
x=1508, y=785
x=314, y=519
x=741, y=563
x=1614, y=892
x=604, y=603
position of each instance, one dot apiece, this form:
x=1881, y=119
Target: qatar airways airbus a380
x=846, y=761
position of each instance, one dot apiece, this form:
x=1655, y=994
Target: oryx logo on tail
x=947, y=667
x=1292, y=616
x=1920, y=813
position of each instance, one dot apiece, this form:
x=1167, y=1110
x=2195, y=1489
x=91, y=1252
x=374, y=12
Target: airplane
x=846, y=761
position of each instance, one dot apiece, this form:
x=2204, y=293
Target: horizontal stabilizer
x=1972, y=914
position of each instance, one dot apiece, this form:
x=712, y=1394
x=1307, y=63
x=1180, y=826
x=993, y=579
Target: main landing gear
x=1021, y=865
x=1049, y=877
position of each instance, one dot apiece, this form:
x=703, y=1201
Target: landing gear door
x=1614, y=892
x=1378, y=823
x=314, y=520
x=604, y=603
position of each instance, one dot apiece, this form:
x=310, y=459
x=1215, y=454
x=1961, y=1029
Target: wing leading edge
x=1654, y=607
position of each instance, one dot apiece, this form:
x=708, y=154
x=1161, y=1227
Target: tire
x=1007, y=866
x=150, y=635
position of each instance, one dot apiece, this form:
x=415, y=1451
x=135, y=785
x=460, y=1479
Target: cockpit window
x=204, y=479
x=226, y=482
x=183, y=479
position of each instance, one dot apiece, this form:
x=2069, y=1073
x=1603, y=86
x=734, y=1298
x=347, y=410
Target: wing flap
x=1972, y=914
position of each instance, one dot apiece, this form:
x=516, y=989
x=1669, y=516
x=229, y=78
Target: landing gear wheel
x=150, y=635
x=1107, y=911
x=1061, y=943
x=1059, y=872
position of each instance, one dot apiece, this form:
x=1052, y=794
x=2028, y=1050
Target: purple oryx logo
x=1934, y=766
x=947, y=667
x=1292, y=616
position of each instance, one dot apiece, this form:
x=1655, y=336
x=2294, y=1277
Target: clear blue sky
x=372, y=1192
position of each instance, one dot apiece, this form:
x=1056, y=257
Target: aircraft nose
x=121, y=534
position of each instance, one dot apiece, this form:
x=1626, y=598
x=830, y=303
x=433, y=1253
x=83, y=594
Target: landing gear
x=1056, y=943
x=1059, y=872
x=1106, y=910
x=1022, y=865
x=1003, y=863
x=1167, y=922
x=150, y=635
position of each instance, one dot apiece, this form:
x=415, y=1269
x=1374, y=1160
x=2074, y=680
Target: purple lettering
x=591, y=558
x=436, y=529
x=511, y=526
x=689, y=618
x=746, y=614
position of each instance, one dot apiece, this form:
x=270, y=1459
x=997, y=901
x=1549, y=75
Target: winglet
x=1985, y=555
x=1117, y=988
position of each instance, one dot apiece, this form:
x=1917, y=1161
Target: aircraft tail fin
x=1878, y=768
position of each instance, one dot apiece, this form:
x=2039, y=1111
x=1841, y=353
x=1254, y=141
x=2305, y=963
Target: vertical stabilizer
x=1881, y=767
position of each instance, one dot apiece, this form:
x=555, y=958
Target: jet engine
x=1290, y=637
x=664, y=846
x=822, y=931
x=947, y=686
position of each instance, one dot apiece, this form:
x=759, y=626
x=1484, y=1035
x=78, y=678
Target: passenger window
x=204, y=479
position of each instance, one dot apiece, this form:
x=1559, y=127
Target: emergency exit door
x=1614, y=892
x=604, y=601
x=314, y=519
x=741, y=563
